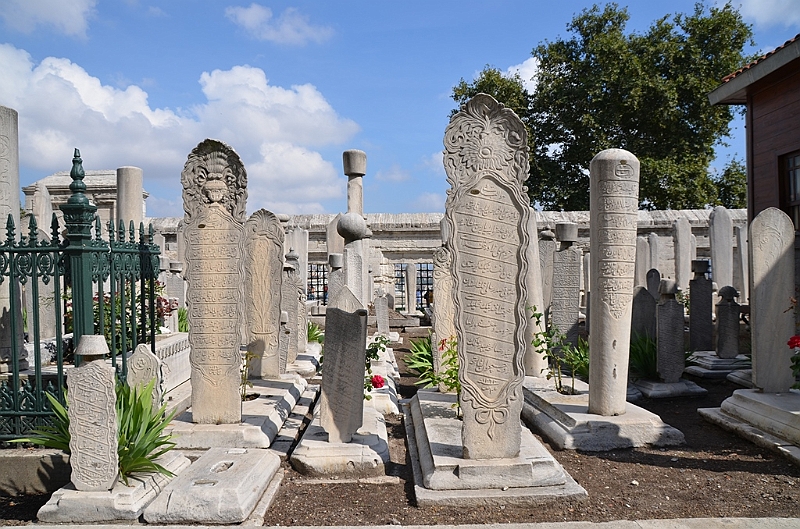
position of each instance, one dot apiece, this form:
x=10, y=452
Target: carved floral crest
x=214, y=174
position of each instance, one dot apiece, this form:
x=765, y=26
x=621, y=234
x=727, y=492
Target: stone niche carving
x=214, y=195
x=486, y=213
x=264, y=239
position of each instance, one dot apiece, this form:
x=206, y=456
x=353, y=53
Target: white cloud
x=526, y=70
x=290, y=27
x=428, y=203
x=769, y=13
x=69, y=17
x=435, y=162
x=273, y=129
x=395, y=173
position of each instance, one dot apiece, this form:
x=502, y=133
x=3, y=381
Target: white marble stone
x=682, y=243
x=130, y=199
x=144, y=366
x=614, y=197
x=720, y=234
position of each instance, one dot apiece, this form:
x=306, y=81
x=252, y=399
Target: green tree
x=732, y=185
x=647, y=93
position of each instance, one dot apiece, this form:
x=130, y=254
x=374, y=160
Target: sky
x=289, y=85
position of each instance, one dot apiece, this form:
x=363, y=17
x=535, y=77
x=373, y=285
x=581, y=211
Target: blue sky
x=288, y=84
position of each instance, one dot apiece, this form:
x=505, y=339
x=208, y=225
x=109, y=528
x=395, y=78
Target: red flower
x=794, y=342
x=377, y=381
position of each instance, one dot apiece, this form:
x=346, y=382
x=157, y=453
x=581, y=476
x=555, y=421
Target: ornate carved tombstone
x=614, y=198
x=214, y=195
x=144, y=366
x=443, y=310
x=264, y=264
x=487, y=215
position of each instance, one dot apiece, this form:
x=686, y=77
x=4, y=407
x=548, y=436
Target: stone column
x=744, y=271
x=701, y=328
x=9, y=205
x=411, y=288
x=614, y=199
x=669, y=314
x=727, y=323
x=771, y=316
x=130, y=200
x=682, y=239
x=355, y=167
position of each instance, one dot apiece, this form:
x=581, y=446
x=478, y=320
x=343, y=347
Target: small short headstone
x=653, y=283
x=727, y=323
x=342, y=398
x=701, y=328
x=671, y=359
x=143, y=367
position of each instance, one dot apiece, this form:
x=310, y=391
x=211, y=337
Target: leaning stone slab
x=443, y=477
x=365, y=455
x=565, y=422
x=123, y=502
x=262, y=418
x=221, y=487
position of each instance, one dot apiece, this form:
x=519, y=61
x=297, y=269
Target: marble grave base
x=664, y=390
x=121, y=503
x=565, y=421
x=364, y=456
x=307, y=362
x=742, y=377
x=443, y=477
x=769, y=420
x=706, y=364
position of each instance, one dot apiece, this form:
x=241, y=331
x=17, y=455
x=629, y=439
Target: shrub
x=314, y=333
x=420, y=361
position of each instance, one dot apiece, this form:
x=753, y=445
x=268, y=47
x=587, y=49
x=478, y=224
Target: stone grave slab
x=122, y=502
x=221, y=487
x=663, y=390
x=307, y=362
x=743, y=377
x=443, y=477
x=706, y=364
x=774, y=413
x=262, y=418
x=564, y=420
x=365, y=454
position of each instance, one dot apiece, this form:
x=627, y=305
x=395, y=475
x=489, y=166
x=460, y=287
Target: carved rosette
x=214, y=174
x=486, y=213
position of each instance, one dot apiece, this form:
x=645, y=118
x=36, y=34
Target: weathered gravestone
x=566, y=293
x=671, y=360
x=772, y=318
x=653, y=282
x=547, y=247
x=727, y=323
x=742, y=279
x=92, y=418
x=643, y=318
x=333, y=241
x=263, y=249
x=642, y=261
x=614, y=197
x=214, y=196
x=335, y=274
x=655, y=251
x=682, y=240
x=701, y=328
x=381, y=304
x=720, y=234
x=144, y=367
x=443, y=309
x=290, y=303
x=342, y=398
x=487, y=215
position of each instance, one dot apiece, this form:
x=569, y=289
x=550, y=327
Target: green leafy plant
x=183, y=319
x=447, y=377
x=374, y=349
x=420, y=360
x=140, y=431
x=244, y=372
x=576, y=359
x=314, y=333
x=643, y=358
x=548, y=343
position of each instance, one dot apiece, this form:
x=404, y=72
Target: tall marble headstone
x=290, y=303
x=263, y=267
x=547, y=247
x=654, y=283
x=297, y=239
x=772, y=319
x=342, y=398
x=130, y=199
x=535, y=363
x=642, y=261
x=381, y=304
x=701, y=328
x=487, y=213
x=720, y=234
x=92, y=418
x=42, y=209
x=443, y=309
x=9, y=205
x=682, y=240
x=728, y=323
x=670, y=358
x=411, y=288
x=742, y=285
x=614, y=200
x=214, y=200
x=655, y=251
x=565, y=307
x=643, y=319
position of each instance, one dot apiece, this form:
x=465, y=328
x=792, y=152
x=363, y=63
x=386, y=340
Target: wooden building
x=770, y=87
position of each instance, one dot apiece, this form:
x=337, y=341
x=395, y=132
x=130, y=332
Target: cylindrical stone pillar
x=614, y=199
x=355, y=167
x=130, y=204
x=9, y=204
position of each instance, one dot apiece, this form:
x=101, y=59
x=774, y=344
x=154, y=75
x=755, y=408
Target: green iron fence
x=83, y=284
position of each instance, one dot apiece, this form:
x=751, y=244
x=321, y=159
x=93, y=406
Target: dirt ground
x=715, y=474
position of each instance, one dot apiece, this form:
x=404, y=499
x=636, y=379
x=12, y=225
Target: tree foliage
x=604, y=87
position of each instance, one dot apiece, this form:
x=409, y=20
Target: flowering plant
x=794, y=343
x=373, y=353
x=377, y=381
